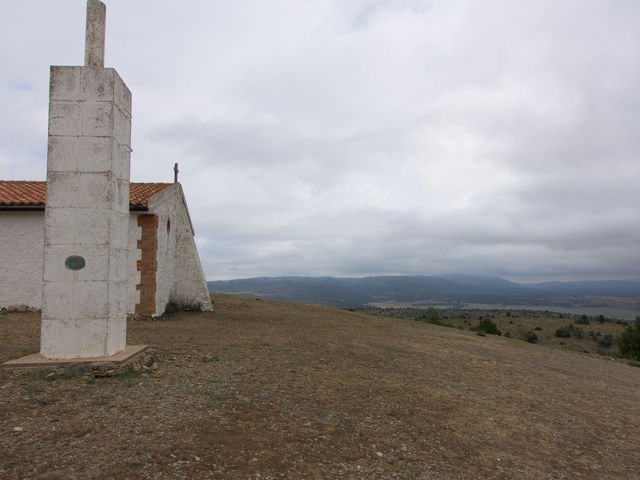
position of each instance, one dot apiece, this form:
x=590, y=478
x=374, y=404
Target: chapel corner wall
x=189, y=283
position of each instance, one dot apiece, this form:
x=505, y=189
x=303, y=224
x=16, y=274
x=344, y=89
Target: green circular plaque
x=74, y=262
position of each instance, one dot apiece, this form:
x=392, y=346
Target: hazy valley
x=612, y=298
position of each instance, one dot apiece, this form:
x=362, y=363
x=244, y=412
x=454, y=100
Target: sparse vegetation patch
x=517, y=324
x=629, y=342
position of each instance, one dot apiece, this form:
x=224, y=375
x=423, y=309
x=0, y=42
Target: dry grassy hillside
x=595, y=335
x=267, y=390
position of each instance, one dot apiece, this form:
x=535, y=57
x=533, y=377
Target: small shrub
x=538, y=328
x=563, y=332
x=583, y=320
x=606, y=341
x=487, y=326
x=432, y=316
x=531, y=337
x=629, y=341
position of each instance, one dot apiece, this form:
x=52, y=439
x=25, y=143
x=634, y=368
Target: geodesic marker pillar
x=87, y=209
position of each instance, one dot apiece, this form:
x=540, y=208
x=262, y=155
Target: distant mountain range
x=440, y=290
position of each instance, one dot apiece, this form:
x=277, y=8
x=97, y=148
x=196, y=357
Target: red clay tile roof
x=34, y=194
x=141, y=193
x=23, y=194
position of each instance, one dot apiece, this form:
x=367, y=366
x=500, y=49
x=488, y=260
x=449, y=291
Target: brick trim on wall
x=147, y=265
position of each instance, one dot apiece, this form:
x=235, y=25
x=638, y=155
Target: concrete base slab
x=36, y=361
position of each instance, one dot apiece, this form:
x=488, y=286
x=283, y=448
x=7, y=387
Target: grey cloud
x=366, y=137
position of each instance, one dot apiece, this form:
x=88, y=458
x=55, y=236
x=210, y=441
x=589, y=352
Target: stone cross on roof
x=94, y=34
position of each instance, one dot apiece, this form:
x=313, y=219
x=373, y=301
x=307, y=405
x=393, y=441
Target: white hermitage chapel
x=88, y=246
x=163, y=264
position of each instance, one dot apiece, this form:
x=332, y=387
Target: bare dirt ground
x=268, y=390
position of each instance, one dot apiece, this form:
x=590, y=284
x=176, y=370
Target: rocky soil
x=268, y=390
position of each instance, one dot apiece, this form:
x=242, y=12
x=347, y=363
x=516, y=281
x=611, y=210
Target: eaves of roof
x=32, y=195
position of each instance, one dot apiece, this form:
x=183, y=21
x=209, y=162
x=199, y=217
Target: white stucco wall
x=179, y=278
x=189, y=283
x=165, y=208
x=21, y=258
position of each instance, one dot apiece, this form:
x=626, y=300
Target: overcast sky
x=365, y=137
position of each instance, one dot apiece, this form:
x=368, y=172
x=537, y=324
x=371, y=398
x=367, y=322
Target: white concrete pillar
x=84, y=309
x=94, y=34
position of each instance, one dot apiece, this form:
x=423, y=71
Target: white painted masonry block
x=87, y=214
x=122, y=132
x=120, y=196
x=87, y=336
x=121, y=158
x=64, y=153
x=58, y=222
x=97, y=84
x=96, y=268
x=120, y=234
x=58, y=299
x=91, y=227
x=122, y=96
x=97, y=119
x=65, y=119
x=81, y=225
x=64, y=83
x=119, y=265
x=96, y=154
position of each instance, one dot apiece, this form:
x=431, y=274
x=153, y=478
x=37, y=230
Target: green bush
x=583, y=320
x=629, y=341
x=486, y=325
x=578, y=333
x=531, y=337
x=563, y=332
x=606, y=341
